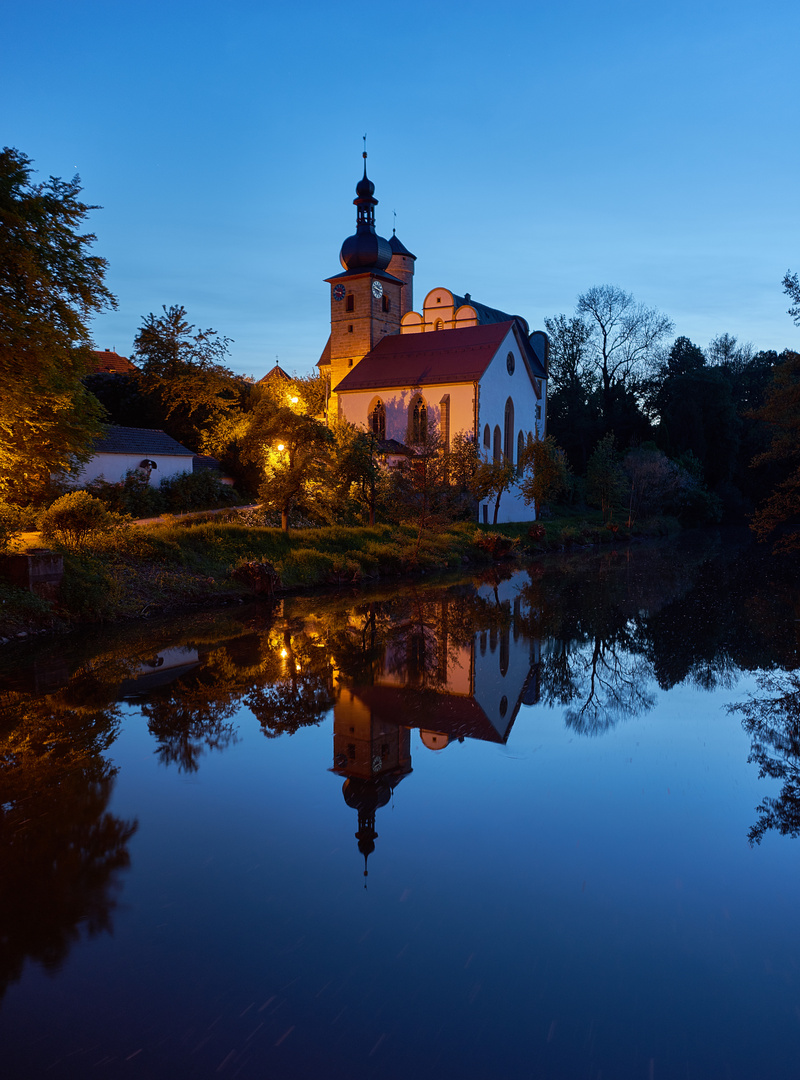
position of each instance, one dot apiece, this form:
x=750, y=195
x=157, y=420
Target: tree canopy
x=50, y=286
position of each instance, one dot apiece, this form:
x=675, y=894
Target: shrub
x=132, y=495
x=74, y=518
x=10, y=523
x=495, y=544
x=196, y=491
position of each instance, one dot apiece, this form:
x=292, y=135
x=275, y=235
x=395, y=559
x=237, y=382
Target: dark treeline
x=620, y=383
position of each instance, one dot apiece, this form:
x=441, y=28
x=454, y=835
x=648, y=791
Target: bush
x=132, y=495
x=201, y=490
x=10, y=524
x=76, y=517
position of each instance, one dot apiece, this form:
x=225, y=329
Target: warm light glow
x=294, y=400
x=284, y=654
x=281, y=447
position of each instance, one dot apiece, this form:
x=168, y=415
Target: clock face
x=338, y=292
x=377, y=289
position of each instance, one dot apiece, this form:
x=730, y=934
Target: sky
x=530, y=151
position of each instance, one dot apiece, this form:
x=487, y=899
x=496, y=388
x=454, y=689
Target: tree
x=544, y=469
x=791, y=286
x=573, y=407
x=624, y=339
x=50, y=286
x=781, y=412
x=291, y=449
x=182, y=371
x=696, y=410
x=606, y=484
x=491, y=480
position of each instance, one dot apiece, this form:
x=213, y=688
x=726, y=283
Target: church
x=455, y=366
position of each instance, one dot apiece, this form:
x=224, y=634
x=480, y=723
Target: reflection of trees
x=60, y=849
x=296, y=689
x=611, y=685
x=773, y=724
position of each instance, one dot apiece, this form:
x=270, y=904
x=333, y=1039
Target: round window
x=510, y=363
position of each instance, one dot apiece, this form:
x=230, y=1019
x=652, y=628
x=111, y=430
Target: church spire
x=365, y=250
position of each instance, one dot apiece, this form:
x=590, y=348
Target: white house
x=154, y=452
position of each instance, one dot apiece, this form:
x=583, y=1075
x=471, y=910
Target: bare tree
x=625, y=336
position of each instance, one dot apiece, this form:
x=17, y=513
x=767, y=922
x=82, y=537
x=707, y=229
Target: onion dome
x=365, y=250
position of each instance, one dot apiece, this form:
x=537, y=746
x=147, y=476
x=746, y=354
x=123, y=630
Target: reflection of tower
x=373, y=755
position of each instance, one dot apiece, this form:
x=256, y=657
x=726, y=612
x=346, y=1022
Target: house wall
x=112, y=467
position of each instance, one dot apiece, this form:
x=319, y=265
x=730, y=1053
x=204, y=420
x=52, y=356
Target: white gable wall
x=357, y=405
x=496, y=387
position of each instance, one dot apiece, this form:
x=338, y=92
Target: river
x=530, y=824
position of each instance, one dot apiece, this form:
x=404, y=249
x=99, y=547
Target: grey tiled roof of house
x=134, y=440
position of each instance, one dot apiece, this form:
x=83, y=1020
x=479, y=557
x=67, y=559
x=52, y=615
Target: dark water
x=576, y=792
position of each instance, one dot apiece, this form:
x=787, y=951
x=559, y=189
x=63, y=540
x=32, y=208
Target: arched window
x=444, y=422
x=487, y=437
x=438, y=325
x=377, y=420
x=508, y=431
x=497, y=452
x=418, y=420
x=520, y=446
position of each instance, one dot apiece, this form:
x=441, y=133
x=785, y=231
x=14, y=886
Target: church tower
x=367, y=298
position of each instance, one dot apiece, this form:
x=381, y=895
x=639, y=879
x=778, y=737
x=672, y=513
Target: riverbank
x=173, y=566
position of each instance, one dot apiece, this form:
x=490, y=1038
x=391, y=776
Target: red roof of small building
x=111, y=363
x=436, y=356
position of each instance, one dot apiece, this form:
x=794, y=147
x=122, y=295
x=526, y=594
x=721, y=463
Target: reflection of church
x=447, y=686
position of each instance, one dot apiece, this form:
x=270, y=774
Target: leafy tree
x=182, y=372
x=491, y=480
x=573, y=403
x=696, y=411
x=781, y=413
x=50, y=285
x=291, y=450
x=606, y=484
x=791, y=286
x=545, y=473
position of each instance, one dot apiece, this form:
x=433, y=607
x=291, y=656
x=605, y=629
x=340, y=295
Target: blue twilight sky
x=530, y=150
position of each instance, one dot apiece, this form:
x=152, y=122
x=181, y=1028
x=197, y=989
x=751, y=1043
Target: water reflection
x=60, y=848
x=595, y=636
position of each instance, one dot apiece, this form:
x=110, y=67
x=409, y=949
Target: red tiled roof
x=109, y=362
x=454, y=715
x=436, y=356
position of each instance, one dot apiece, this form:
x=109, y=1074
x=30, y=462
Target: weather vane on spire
x=365, y=145
x=394, y=228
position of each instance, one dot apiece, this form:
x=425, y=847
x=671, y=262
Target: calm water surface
x=536, y=826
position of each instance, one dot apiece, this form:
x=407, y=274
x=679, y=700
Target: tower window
x=385, y=302
x=350, y=328
x=351, y=303
x=350, y=362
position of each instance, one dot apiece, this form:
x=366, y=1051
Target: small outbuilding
x=122, y=449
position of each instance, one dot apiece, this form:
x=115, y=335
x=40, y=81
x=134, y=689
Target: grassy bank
x=170, y=567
